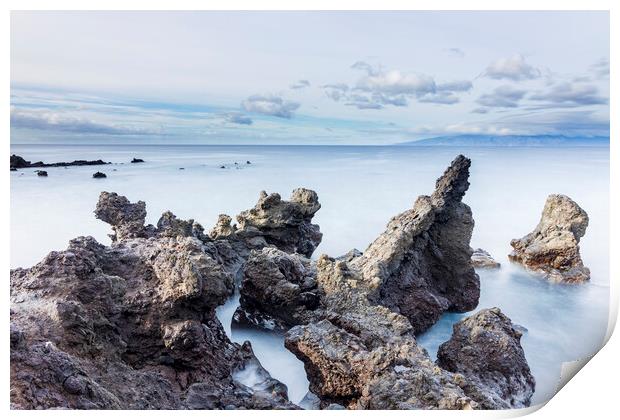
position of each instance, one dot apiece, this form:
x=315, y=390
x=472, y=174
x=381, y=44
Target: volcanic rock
x=486, y=349
x=482, y=259
x=99, y=175
x=552, y=249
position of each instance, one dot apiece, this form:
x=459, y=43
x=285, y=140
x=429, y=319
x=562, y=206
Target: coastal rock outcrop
x=284, y=224
x=482, y=259
x=278, y=290
x=19, y=162
x=421, y=265
x=486, y=349
x=552, y=249
x=129, y=326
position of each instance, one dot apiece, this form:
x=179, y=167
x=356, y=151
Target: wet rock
x=18, y=162
x=421, y=265
x=278, y=290
x=247, y=162
x=127, y=219
x=130, y=326
x=99, y=175
x=284, y=224
x=41, y=173
x=136, y=160
x=552, y=249
x=486, y=349
x=482, y=259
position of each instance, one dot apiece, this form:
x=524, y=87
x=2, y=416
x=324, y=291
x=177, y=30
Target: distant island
x=485, y=140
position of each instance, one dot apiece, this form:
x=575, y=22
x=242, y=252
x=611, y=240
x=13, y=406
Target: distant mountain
x=483, y=140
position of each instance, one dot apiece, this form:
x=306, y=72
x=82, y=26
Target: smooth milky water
x=360, y=189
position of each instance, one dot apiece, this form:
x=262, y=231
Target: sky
x=306, y=77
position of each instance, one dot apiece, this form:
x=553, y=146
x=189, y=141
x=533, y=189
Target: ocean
x=360, y=188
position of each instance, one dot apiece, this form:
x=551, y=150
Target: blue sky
x=305, y=77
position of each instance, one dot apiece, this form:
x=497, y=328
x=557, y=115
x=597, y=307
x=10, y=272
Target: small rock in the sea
x=42, y=173
x=181, y=169
x=552, y=248
x=136, y=160
x=99, y=175
x=222, y=167
x=247, y=162
x=482, y=259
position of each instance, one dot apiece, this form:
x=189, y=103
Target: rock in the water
x=421, y=265
x=284, y=224
x=41, y=173
x=552, y=249
x=127, y=219
x=18, y=162
x=486, y=349
x=130, y=326
x=99, y=175
x=136, y=160
x=278, y=290
x=482, y=259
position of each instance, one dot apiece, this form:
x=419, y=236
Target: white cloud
x=512, y=68
x=300, y=84
x=502, y=97
x=238, y=118
x=270, y=105
x=572, y=94
x=51, y=121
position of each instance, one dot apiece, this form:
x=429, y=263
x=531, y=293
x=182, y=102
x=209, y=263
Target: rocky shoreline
x=18, y=162
x=132, y=325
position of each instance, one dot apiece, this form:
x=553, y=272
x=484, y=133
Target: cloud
x=300, y=84
x=335, y=91
x=379, y=88
x=570, y=94
x=238, y=118
x=601, y=68
x=513, y=68
x=45, y=120
x=480, y=110
x=270, y=105
x=502, y=97
x=445, y=98
x=455, y=52
x=456, y=86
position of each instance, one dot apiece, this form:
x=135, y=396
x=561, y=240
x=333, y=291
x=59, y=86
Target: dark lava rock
x=136, y=160
x=486, y=349
x=99, y=175
x=130, y=326
x=41, y=173
x=19, y=162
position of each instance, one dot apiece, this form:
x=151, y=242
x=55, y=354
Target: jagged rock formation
x=284, y=224
x=131, y=325
x=482, y=259
x=19, y=162
x=552, y=249
x=362, y=353
x=486, y=349
x=278, y=290
x=421, y=265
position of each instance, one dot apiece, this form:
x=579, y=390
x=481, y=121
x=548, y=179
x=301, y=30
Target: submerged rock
x=136, y=160
x=552, y=249
x=486, y=349
x=482, y=259
x=41, y=173
x=130, y=326
x=421, y=265
x=99, y=175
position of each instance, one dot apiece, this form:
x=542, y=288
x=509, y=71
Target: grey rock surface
x=482, y=259
x=552, y=248
x=486, y=349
